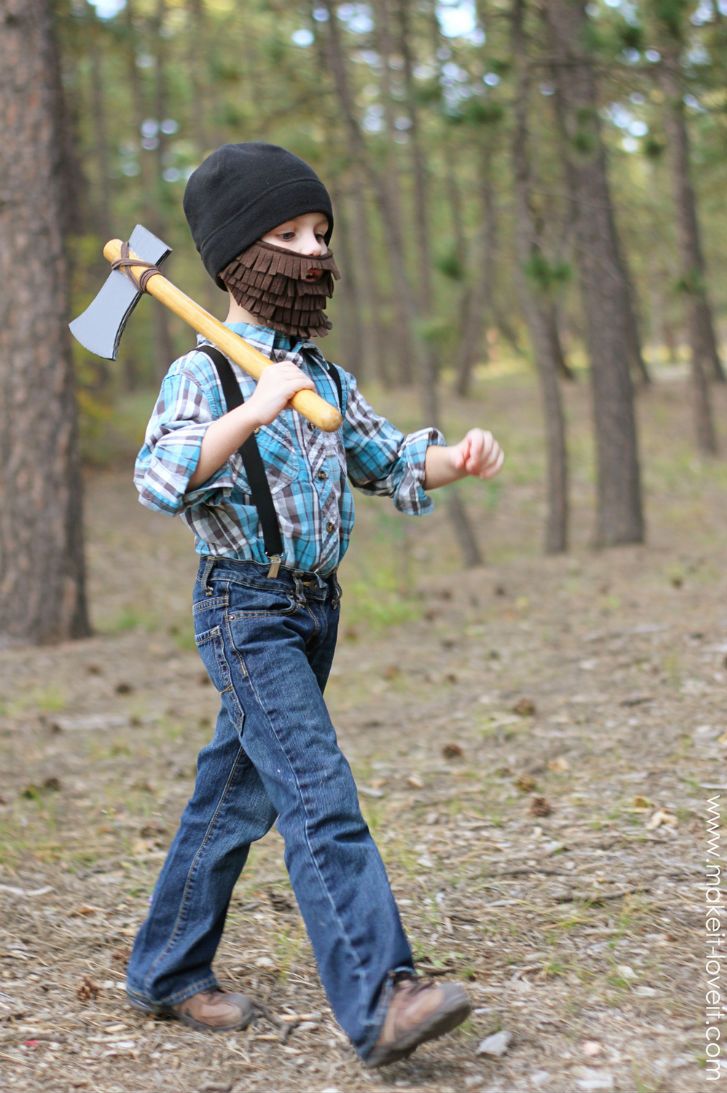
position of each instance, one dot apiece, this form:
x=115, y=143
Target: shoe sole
x=167, y=1013
x=444, y=1020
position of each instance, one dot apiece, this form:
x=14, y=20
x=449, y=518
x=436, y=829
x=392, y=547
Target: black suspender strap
x=252, y=462
x=336, y=377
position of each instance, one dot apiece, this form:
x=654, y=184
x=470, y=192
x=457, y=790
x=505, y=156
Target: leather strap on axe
x=125, y=262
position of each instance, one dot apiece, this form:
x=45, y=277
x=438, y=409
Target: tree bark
x=604, y=284
x=42, y=586
x=538, y=307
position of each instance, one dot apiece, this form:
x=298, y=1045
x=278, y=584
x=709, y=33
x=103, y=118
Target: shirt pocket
x=335, y=453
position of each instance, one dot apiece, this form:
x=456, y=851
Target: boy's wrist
x=247, y=416
x=457, y=465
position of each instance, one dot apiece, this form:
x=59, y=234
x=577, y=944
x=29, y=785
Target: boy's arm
x=177, y=466
x=273, y=391
x=383, y=460
x=477, y=454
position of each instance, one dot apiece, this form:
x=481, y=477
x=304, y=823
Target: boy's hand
x=478, y=454
x=275, y=389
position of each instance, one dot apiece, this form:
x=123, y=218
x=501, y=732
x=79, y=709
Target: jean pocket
x=210, y=601
x=252, y=601
x=211, y=648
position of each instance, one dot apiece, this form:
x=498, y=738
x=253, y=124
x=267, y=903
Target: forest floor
x=536, y=743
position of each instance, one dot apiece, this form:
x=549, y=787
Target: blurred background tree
x=42, y=584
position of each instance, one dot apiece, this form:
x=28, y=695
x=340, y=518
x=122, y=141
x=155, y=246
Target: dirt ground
x=536, y=744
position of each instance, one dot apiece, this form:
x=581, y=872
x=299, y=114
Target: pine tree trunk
x=477, y=299
x=378, y=347
x=74, y=187
x=166, y=351
x=604, y=284
x=705, y=357
x=42, y=588
x=694, y=267
x=151, y=165
x=539, y=310
x=402, y=288
x=392, y=184
x=429, y=384
x=422, y=361
x=375, y=345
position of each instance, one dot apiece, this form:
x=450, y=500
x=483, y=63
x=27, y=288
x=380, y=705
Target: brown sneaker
x=419, y=1010
x=211, y=1011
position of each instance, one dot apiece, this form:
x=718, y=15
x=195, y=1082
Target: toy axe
x=134, y=270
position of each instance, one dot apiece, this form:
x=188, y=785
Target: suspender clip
x=275, y=563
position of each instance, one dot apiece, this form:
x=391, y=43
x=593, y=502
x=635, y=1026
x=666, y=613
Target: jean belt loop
x=206, y=571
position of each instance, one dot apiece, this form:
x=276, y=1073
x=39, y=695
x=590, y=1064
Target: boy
x=266, y=616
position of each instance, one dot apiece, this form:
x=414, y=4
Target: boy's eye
x=287, y=235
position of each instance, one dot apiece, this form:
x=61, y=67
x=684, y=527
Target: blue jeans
x=267, y=644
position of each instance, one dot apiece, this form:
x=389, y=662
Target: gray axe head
x=101, y=325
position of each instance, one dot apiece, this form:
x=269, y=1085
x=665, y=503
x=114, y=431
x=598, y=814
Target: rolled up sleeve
x=171, y=450
x=383, y=460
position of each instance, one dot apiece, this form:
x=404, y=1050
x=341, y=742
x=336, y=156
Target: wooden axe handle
x=308, y=403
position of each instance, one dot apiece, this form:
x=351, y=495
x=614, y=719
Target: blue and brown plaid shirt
x=307, y=468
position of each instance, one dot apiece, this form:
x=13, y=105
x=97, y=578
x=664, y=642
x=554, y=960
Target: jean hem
x=208, y=983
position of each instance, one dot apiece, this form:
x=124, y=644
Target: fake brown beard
x=269, y=282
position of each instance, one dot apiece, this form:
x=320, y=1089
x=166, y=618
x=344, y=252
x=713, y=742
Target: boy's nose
x=313, y=247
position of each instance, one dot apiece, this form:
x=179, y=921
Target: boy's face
x=303, y=234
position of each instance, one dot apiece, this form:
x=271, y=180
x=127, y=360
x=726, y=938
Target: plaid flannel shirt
x=307, y=468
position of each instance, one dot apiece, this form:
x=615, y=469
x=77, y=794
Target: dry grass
x=540, y=802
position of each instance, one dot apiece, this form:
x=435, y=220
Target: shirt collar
x=267, y=338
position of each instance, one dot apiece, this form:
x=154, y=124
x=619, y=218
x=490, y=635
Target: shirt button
x=322, y=475
x=330, y=526
x=311, y=426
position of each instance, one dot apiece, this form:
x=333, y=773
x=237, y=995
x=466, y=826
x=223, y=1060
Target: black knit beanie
x=241, y=192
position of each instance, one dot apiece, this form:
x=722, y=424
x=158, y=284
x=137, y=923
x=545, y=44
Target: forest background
x=513, y=183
